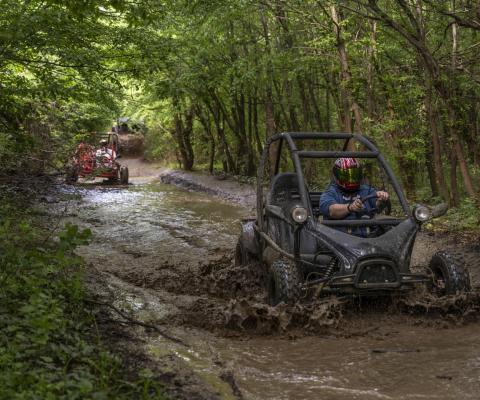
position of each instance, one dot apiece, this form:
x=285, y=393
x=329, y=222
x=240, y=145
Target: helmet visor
x=349, y=176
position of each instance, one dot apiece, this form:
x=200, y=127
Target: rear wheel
x=283, y=283
x=124, y=175
x=449, y=273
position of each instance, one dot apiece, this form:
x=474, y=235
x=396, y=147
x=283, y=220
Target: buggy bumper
x=377, y=274
x=349, y=283
x=373, y=275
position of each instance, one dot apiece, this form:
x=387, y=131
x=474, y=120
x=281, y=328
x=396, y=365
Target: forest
x=219, y=77
x=208, y=82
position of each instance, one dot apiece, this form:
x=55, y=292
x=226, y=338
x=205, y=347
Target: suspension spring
x=330, y=268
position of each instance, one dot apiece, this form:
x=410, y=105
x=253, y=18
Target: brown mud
x=163, y=255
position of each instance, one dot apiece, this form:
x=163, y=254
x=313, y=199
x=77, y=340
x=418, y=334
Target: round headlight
x=421, y=213
x=299, y=214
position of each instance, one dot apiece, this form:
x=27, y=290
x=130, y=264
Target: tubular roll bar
x=291, y=137
x=337, y=154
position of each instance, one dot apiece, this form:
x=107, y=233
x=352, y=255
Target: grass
x=49, y=348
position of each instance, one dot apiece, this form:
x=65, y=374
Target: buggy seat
x=284, y=193
x=283, y=189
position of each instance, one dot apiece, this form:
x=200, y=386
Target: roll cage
x=112, y=139
x=296, y=155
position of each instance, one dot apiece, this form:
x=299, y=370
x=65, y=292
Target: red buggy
x=91, y=162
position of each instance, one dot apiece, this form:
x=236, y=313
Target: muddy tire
x=123, y=175
x=71, y=175
x=242, y=255
x=283, y=283
x=449, y=273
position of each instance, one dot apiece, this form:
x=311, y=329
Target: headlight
x=299, y=214
x=421, y=213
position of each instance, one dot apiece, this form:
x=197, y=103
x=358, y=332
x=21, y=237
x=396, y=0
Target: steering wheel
x=384, y=206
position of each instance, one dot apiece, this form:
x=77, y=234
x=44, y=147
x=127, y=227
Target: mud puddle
x=165, y=255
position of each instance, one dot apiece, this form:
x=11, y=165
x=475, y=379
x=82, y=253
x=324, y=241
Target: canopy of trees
x=220, y=76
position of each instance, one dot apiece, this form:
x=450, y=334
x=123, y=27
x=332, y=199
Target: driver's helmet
x=348, y=174
x=103, y=142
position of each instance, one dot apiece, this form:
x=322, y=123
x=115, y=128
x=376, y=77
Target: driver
x=342, y=199
x=104, y=150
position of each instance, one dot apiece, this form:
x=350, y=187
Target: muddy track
x=165, y=256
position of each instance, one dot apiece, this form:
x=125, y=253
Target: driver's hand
x=357, y=205
x=382, y=196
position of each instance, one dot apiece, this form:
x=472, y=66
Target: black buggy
x=301, y=251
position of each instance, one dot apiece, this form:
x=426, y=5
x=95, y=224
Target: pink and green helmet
x=348, y=174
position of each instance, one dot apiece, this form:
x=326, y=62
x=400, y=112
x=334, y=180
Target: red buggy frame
x=91, y=162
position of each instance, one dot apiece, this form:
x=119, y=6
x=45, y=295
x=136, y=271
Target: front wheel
x=283, y=283
x=124, y=175
x=449, y=273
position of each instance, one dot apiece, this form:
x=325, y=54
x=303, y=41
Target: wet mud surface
x=163, y=255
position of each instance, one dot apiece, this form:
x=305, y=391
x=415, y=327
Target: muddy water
x=414, y=364
x=160, y=218
x=149, y=236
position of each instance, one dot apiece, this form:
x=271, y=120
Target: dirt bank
x=214, y=185
x=131, y=144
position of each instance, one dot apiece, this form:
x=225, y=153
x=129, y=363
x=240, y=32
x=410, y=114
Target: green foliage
x=464, y=217
x=57, y=74
x=48, y=348
x=72, y=67
x=223, y=57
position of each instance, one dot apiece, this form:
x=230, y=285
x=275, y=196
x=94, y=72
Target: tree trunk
x=305, y=104
x=455, y=197
x=348, y=100
x=371, y=101
x=205, y=121
x=431, y=171
x=227, y=162
x=255, y=124
x=435, y=140
x=182, y=134
x=316, y=107
x=269, y=109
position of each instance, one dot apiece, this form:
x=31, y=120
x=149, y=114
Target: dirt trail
x=164, y=256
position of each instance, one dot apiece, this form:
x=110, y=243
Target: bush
x=46, y=348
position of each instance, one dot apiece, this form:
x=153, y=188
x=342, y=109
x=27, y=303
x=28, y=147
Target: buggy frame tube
x=386, y=167
x=279, y=153
x=295, y=154
x=298, y=170
x=337, y=154
x=261, y=168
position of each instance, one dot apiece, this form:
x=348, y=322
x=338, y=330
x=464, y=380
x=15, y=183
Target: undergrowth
x=464, y=218
x=48, y=346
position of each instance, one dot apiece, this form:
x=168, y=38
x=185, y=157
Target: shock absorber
x=329, y=271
